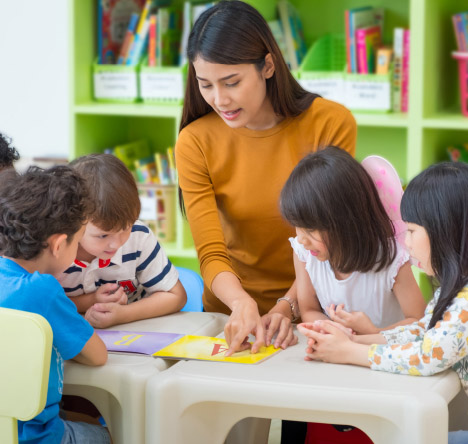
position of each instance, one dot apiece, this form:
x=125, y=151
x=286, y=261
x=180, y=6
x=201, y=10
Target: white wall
x=34, y=84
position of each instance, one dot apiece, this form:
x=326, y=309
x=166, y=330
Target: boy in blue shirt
x=43, y=216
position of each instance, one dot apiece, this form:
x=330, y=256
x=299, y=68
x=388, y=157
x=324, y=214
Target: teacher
x=246, y=123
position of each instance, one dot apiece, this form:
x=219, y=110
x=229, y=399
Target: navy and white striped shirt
x=140, y=266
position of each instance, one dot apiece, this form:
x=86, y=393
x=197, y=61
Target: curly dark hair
x=37, y=204
x=8, y=153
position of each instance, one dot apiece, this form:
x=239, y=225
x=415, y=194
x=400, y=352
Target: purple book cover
x=142, y=342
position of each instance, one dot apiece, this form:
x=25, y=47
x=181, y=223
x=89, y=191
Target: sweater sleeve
x=344, y=131
x=201, y=209
x=437, y=350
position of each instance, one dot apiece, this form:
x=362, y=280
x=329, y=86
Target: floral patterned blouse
x=414, y=350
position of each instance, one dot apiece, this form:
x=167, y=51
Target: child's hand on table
x=103, y=315
x=111, y=293
x=320, y=327
x=327, y=341
x=276, y=323
x=357, y=320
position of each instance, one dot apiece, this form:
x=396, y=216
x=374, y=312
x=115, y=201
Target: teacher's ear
x=269, y=67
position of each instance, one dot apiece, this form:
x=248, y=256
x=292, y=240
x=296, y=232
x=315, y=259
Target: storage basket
x=323, y=71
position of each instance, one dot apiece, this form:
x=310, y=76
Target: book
x=129, y=36
x=405, y=70
x=145, y=343
x=128, y=153
x=211, y=349
x=397, y=67
x=368, y=39
x=162, y=168
x=178, y=346
x=384, y=58
x=139, y=44
x=152, y=40
x=359, y=18
x=278, y=34
x=458, y=30
x=113, y=22
x=293, y=33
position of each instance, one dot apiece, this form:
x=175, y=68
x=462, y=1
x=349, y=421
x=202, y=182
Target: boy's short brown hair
x=113, y=189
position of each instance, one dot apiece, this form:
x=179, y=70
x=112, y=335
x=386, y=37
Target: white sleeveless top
x=369, y=292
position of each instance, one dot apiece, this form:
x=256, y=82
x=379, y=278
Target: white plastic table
x=198, y=402
x=117, y=389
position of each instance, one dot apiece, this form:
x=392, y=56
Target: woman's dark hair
x=8, y=153
x=113, y=190
x=234, y=33
x=437, y=200
x=331, y=192
x=38, y=204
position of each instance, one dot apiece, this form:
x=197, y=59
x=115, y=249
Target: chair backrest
x=25, y=351
x=193, y=284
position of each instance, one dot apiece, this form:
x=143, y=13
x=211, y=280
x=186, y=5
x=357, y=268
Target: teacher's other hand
x=281, y=325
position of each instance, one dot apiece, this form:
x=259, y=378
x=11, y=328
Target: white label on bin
x=161, y=85
x=372, y=96
x=148, y=208
x=115, y=85
x=332, y=89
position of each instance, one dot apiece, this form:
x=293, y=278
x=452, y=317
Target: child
x=435, y=207
x=119, y=258
x=8, y=153
x=348, y=265
x=42, y=218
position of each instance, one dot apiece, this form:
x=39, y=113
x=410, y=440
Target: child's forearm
x=84, y=301
x=406, y=321
x=158, y=304
x=313, y=315
x=357, y=354
x=369, y=339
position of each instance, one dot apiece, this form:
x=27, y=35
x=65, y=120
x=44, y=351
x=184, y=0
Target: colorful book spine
x=464, y=20
x=138, y=33
x=383, y=60
x=129, y=36
x=397, y=67
x=152, y=40
x=367, y=41
x=140, y=42
x=405, y=70
x=172, y=168
x=348, y=43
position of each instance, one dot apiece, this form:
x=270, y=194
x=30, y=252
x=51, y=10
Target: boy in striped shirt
x=121, y=273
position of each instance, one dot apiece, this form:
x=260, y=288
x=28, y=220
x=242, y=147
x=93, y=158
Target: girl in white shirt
x=348, y=265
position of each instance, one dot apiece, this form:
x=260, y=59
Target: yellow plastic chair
x=25, y=351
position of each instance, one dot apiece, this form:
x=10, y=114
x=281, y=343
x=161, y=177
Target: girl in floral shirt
x=435, y=207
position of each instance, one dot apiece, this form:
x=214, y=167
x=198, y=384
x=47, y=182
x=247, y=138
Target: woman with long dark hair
x=246, y=123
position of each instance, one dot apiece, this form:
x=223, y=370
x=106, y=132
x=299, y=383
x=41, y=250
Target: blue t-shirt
x=42, y=294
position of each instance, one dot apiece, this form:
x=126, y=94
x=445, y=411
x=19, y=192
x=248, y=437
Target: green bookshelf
x=410, y=141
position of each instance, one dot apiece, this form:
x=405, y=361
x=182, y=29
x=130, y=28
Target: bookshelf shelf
x=396, y=120
x=411, y=141
x=140, y=109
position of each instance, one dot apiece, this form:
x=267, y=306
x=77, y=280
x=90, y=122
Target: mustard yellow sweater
x=231, y=181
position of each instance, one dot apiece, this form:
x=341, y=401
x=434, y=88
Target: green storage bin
x=323, y=71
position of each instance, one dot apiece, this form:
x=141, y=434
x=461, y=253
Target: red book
x=152, y=41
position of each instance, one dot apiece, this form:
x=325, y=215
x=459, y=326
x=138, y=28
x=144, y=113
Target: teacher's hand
x=279, y=324
x=244, y=320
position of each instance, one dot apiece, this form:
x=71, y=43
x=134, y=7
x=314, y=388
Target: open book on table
x=178, y=346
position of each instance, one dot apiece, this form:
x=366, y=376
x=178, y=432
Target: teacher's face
x=237, y=93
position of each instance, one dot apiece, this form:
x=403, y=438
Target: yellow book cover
x=211, y=349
